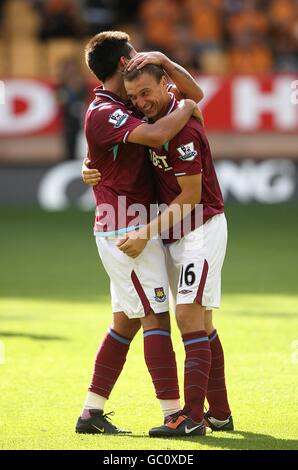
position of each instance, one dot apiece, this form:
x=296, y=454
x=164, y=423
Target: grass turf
x=55, y=307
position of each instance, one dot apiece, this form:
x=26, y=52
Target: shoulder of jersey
x=115, y=113
x=194, y=129
x=194, y=124
x=190, y=130
x=102, y=106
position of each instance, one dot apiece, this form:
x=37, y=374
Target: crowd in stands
x=235, y=36
x=239, y=36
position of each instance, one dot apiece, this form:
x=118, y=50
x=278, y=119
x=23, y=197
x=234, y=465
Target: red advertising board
x=241, y=104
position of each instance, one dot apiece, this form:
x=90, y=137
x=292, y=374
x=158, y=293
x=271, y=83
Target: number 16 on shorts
x=192, y=282
x=187, y=276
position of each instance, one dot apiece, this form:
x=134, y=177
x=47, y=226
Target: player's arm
x=152, y=135
x=185, y=86
x=163, y=130
x=180, y=207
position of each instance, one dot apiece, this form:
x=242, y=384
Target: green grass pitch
x=55, y=307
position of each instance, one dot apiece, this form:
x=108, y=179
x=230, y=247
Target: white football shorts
x=194, y=264
x=137, y=285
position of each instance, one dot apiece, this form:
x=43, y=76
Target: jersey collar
x=171, y=105
x=109, y=95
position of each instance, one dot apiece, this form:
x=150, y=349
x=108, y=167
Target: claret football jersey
x=126, y=174
x=188, y=153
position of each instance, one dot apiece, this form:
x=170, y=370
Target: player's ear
x=164, y=81
x=123, y=61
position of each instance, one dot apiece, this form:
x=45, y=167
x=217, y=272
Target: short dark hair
x=104, y=50
x=152, y=69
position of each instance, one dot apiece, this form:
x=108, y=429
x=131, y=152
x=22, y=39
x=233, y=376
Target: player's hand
x=188, y=104
x=198, y=115
x=132, y=245
x=90, y=176
x=143, y=58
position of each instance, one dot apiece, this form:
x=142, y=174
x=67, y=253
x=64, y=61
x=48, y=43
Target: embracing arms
x=191, y=188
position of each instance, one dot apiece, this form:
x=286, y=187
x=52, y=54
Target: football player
x=116, y=135
x=186, y=179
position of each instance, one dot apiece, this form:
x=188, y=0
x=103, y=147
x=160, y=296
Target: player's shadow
x=10, y=334
x=248, y=441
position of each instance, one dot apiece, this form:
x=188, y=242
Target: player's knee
x=153, y=320
x=126, y=327
x=164, y=321
x=190, y=317
x=184, y=322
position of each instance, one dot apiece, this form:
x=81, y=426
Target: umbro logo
x=190, y=364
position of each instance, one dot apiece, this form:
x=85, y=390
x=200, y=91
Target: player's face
x=149, y=96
